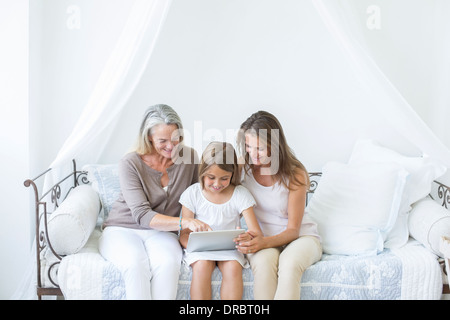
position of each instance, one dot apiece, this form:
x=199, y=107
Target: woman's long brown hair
x=288, y=164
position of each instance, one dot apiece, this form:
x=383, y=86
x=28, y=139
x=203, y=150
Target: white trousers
x=149, y=261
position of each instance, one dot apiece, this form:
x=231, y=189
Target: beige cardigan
x=142, y=196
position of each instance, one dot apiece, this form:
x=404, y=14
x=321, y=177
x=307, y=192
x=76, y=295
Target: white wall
x=14, y=143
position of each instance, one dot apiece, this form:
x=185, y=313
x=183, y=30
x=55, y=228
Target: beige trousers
x=277, y=272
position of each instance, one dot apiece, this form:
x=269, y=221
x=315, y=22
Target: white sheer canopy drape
x=383, y=94
x=116, y=83
x=441, y=115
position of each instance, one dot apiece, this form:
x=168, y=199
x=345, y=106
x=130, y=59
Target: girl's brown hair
x=288, y=165
x=224, y=156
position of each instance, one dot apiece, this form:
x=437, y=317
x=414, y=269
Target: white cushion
x=354, y=205
x=104, y=179
x=428, y=222
x=71, y=224
x=422, y=170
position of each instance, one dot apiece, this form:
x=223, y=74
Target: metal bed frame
x=41, y=232
x=42, y=211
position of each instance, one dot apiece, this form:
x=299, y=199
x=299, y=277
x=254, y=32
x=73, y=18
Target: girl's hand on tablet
x=195, y=225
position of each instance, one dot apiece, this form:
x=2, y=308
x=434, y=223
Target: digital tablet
x=213, y=240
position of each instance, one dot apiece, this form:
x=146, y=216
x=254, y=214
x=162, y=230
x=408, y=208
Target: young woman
x=218, y=200
x=278, y=181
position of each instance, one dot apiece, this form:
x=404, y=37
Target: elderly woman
x=140, y=233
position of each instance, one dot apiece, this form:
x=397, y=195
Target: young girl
x=218, y=200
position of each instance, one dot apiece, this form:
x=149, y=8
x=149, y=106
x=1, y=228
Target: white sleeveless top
x=271, y=208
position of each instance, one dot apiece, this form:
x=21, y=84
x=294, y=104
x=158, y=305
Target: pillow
x=422, y=170
x=105, y=180
x=355, y=205
x=428, y=222
x=71, y=224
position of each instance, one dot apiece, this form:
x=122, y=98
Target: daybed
x=366, y=256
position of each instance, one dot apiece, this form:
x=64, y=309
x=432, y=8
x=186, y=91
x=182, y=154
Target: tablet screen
x=213, y=240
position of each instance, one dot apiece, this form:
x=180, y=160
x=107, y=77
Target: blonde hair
x=224, y=156
x=155, y=115
x=288, y=164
